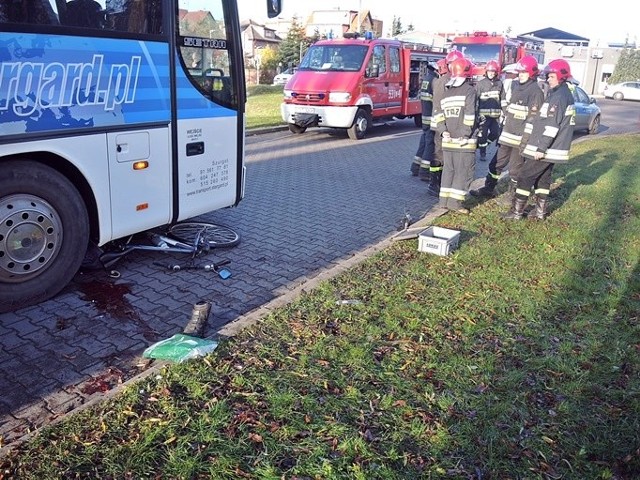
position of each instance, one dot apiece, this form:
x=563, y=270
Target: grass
x=515, y=357
x=263, y=106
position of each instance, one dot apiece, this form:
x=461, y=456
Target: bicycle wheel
x=216, y=236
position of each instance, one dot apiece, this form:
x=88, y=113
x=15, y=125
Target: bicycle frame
x=159, y=243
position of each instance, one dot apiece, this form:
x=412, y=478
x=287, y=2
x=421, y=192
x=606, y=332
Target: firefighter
x=490, y=94
x=548, y=143
x=457, y=125
x=424, y=155
x=435, y=170
x=524, y=103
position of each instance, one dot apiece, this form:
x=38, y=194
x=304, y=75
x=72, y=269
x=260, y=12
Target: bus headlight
x=339, y=97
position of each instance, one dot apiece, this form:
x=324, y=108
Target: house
x=256, y=36
x=334, y=23
x=590, y=65
x=557, y=36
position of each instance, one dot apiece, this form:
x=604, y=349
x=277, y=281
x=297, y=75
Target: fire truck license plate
x=305, y=110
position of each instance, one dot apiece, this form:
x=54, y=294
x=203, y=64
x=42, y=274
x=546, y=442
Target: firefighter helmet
x=528, y=64
x=492, y=66
x=442, y=66
x=460, y=70
x=461, y=67
x=453, y=55
x=560, y=67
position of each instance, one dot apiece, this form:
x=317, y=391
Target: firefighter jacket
x=526, y=100
x=458, y=107
x=438, y=92
x=490, y=94
x=552, y=130
x=426, y=99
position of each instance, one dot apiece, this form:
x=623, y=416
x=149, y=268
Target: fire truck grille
x=308, y=97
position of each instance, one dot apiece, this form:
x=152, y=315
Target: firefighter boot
x=415, y=166
x=507, y=199
x=539, y=212
x=488, y=190
x=424, y=173
x=434, y=183
x=517, y=209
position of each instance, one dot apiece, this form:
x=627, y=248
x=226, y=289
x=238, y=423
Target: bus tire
x=44, y=233
x=361, y=124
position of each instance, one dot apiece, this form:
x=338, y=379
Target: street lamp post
x=597, y=55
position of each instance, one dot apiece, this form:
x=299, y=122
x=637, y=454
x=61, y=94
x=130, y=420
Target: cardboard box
x=438, y=240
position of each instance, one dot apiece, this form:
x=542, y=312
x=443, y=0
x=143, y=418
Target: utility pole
x=597, y=55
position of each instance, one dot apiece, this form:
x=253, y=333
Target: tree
x=294, y=46
x=628, y=66
x=396, y=26
x=268, y=64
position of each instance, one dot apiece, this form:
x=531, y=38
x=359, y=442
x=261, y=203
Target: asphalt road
x=314, y=204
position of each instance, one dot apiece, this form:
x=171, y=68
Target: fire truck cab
x=350, y=83
x=480, y=47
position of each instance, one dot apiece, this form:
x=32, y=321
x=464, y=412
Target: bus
x=116, y=117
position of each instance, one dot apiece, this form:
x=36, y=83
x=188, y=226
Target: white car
x=283, y=78
x=623, y=91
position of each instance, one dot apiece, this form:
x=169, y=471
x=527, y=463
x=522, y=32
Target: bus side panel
x=75, y=87
x=208, y=171
x=139, y=195
x=56, y=83
x=82, y=152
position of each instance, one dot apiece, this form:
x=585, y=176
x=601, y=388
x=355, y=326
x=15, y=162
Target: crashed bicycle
x=195, y=239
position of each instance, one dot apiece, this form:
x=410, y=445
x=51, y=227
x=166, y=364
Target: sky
x=606, y=24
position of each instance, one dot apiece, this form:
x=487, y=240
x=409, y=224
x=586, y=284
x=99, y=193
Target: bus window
x=134, y=16
x=207, y=59
x=35, y=12
x=84, y=13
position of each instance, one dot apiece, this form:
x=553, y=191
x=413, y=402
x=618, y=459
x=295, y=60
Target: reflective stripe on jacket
x=552, y=128
x=526, y=100
x=458, y=106
x=490, y=94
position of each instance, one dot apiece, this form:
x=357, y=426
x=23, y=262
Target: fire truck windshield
x=346, y=58
x=479, y=53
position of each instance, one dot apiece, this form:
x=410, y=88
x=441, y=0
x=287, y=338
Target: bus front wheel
x=44, y=233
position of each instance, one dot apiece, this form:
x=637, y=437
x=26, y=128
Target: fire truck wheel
x=361, y=123
x=44, y=233
x=417, y=119
x=296, y=129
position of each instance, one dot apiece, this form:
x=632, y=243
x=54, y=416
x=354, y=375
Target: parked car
x=587, y=111
x=283, y=78
x=623, y=91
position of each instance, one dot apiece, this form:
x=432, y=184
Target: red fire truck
x=351, y=82
x=480, y=47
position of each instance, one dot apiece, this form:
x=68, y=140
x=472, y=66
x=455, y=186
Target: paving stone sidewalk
x=314, y=204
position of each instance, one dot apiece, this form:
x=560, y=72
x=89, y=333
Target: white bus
x=116, y=116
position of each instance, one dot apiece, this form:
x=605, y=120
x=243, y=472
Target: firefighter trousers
x=505, y=158
x=457, y=174
x=426, y=146
x=536, y=175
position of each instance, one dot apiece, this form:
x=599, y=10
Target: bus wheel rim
x=30, y=237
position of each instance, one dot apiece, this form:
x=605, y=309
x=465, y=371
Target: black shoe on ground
x=483, y=192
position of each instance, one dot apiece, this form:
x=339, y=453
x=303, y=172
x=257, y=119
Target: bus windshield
x=479, y=53
x=340, y=58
